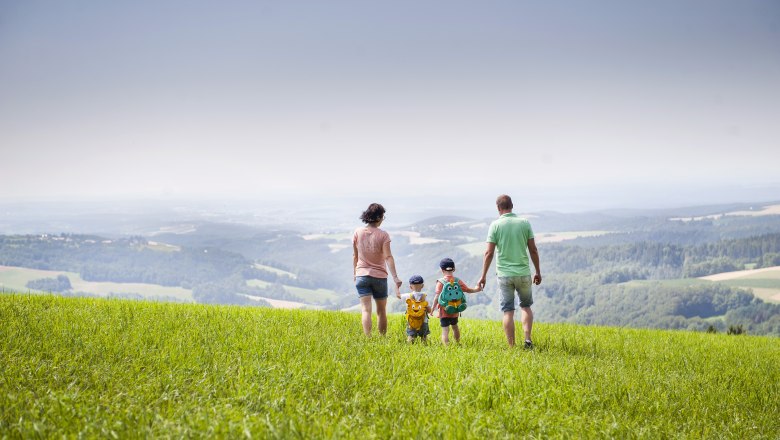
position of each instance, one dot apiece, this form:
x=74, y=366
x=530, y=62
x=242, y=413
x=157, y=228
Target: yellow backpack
x=416, y=311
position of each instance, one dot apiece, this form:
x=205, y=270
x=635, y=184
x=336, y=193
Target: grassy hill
x=127, y=369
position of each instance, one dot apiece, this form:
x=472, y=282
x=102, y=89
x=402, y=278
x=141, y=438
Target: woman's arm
x=354, y=260
x=391, y=264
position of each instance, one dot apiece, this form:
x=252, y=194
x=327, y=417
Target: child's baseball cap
x=416, y=279
x=447, y=264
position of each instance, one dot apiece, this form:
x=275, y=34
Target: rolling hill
x=80, y=367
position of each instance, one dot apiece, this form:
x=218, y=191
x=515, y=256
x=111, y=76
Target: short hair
x=504, y=202
x=374, y=213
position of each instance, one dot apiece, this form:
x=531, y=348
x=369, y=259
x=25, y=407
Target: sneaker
x=528, y=345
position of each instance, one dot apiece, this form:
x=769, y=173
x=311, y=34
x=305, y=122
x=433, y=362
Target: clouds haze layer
x=276, y=99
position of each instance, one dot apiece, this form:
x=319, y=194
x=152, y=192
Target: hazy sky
x=252, y=98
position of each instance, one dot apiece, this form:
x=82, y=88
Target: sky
x=567, y=101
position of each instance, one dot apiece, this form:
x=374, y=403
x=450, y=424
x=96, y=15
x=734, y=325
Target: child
x=417, y=310
x=449, y=319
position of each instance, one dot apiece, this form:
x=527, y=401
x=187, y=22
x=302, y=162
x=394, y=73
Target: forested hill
x=646, y=259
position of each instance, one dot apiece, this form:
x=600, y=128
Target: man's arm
x=489, y=252
x=534, y=253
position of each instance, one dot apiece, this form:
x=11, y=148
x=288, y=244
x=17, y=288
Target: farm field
x=478, y=248
x=557, y=237
x=764, y=210
x=281, y=304
x=87, y=367
x=308, y=296
x=16, y=279
x=275, y=270
x=764, y=282
x=312, y=295
x=338, y=241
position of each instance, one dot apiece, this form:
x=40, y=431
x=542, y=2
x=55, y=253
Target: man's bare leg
x=509, y=327
x=527, y=316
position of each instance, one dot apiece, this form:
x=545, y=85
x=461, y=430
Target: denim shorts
x=507, y=286
x=376, y=287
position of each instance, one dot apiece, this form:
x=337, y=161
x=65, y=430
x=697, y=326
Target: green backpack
x=452, y=299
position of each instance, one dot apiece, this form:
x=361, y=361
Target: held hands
x=481, y=284
x=538, y=278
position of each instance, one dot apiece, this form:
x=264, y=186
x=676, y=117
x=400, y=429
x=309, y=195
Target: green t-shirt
x=511, y=233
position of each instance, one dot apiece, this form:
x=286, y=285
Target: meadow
x=98, y=367
x=16, y=279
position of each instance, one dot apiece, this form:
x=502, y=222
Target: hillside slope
x=97, y=367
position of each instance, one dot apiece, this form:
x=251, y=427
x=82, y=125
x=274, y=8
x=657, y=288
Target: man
x=510, y=236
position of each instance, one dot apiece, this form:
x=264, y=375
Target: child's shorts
x=446, y=322
x=424, y=330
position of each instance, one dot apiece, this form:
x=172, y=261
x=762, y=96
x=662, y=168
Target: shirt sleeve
x=491, y=237
x=439, y=287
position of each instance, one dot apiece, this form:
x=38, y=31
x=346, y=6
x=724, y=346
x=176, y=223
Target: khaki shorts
x=507, y=286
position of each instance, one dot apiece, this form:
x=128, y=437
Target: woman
x=370, y=254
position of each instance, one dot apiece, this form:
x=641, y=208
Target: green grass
x=78, y=367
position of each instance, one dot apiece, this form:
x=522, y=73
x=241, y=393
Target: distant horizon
x=582, y=198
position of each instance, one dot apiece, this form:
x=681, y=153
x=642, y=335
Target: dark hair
x=374, y=213
x=504, y=202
